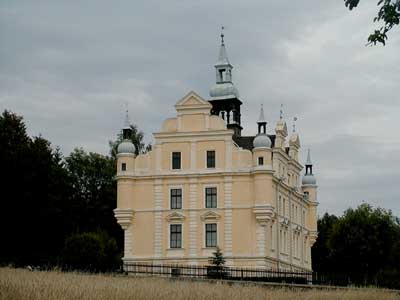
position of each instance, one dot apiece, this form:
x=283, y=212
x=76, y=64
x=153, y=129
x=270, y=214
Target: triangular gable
x=192, y=101
x=175, y=216
x=210, y=216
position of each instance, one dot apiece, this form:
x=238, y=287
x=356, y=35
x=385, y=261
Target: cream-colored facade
x=176, y=208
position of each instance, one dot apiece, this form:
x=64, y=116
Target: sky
x=70, y=68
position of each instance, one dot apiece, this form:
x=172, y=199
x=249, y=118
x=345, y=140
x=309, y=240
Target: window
x=176, y=160
x=211, y=235
x=175, y=236
x=123, y=167
x=211, y=197
x=176, y=198
x=260, y=161
x=210, y=159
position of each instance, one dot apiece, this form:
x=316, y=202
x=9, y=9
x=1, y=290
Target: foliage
x=364, y=244
x=389, y=14
x=217, y=259
x=46, y=198
x=34, y=186
x=90, y=251
x=321, y=251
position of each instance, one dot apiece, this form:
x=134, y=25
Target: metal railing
x=214, y=272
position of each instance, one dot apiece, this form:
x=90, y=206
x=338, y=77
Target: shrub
x=90, y=251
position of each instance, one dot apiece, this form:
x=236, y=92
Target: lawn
x=21, y=284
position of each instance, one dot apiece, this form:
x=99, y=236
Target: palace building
x=205, y=185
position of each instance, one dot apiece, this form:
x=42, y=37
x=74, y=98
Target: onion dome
x=126, y=146
x=262, y=141
x=309, y=178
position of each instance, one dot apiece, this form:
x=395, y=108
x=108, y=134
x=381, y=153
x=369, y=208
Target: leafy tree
x=90, y=251
x=33, y=185
x=363, y=241
x=93, y=196
x=389, y=14
x=320, y=251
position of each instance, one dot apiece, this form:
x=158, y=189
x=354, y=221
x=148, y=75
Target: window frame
x=214, y=159
x=170, y=197
x=176, y=233
x=123, y=167
x=172, y=160
x=216, y=196
x=206, y=237
x=261, y=160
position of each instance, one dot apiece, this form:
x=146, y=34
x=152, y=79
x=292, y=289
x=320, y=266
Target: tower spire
x=281, y=113
x=309, y=164
x=126, y=129
x=262, y=123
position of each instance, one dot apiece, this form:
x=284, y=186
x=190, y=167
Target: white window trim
x=171, y=187
x=205, y=234
x=205, y=197
x=205, y=159
x=172, y=161
x=169, y=235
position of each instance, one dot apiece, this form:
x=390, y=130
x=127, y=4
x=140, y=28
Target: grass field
x=19, y=284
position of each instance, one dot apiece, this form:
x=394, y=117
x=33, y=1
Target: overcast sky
x=69, y=67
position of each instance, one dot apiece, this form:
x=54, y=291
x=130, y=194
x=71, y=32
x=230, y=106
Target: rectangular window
x=175, y=236
x=211, y=197
x=211, y=235
x=260, y=161
x=176, y=160
x=176, y=198
x=123, y=167
x=210, y=159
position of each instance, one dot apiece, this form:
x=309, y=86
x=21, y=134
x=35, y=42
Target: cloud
x=70, y=68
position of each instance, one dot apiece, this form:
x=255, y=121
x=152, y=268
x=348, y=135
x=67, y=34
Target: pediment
x=192, y=100
x=210, y=216
x=175, y=216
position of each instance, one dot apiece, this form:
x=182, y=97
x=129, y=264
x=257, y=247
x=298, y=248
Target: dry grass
x=17, y=284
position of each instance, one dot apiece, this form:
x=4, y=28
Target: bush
x=90, y=251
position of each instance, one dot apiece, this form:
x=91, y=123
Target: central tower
x=224, y=95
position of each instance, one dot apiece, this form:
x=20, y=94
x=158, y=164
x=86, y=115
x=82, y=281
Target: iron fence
x=214, y=272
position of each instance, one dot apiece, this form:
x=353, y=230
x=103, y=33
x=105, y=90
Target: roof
x=246, y=142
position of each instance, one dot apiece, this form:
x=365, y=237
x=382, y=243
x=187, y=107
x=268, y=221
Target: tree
x=321, y=253
x=218, y=259
x=90, y=251
x=363, y=241
x=93, y=196
x=389, y=14
x=33, y=185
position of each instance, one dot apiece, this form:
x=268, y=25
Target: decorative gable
x=193, y=103
x=175, y=216
x=210, y=216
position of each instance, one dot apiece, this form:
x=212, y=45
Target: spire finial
x=127, y=123
x=261, y=118
x=222, y=34
x=308, y=162
x=281, y=112
x=294, y=124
